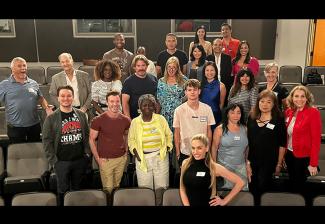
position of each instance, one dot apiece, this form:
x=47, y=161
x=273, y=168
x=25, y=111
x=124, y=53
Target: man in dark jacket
x=65, y=140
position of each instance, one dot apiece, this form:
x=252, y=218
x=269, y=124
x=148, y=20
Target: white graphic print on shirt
x=71, y=130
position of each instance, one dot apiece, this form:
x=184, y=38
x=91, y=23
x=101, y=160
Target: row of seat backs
x=38, y=73
x=290, y=74
x=145, y=197
x=287, y=73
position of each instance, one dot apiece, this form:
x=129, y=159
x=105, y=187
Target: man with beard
x=136, y=85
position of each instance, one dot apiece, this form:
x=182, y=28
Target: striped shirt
x=247, y=98
x=151, y=138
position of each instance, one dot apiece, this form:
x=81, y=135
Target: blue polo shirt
x=20, y=101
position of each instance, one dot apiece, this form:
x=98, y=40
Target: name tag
x=31, y=90
x=270, y=126
x=154, y=130
x=200, y=174
x=203, y=118
x=237, y=138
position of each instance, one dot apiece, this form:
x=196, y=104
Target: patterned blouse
x=247, y=98
x=169, y=97
x=100, y=88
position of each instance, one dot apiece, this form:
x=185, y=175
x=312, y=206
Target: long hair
x=203, y=56
x=275, y=112
x=238, y=55
x=238, y=84
x=225, y=120
x=179, y=74
x=196, y=38
x=208, y=161
x=308, y=94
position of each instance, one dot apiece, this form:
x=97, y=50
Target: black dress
x=197, y=180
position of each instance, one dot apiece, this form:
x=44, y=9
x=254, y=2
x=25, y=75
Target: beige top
x=192, y=122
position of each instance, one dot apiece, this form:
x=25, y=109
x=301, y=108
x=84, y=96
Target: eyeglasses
x=171, y=68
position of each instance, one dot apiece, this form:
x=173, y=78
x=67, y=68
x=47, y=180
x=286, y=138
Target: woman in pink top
x=243, y=60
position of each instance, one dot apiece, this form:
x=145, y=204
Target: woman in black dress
x=198, y=177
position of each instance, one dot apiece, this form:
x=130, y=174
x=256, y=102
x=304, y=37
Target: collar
x=74, y=73
x=13, y=80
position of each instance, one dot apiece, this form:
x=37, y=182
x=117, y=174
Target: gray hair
x=68, y=55
x=13, y=62
x=145, y=97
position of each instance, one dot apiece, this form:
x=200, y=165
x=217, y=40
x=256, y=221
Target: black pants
x=24, y=134
x=298, y=171
x=182, y=157
x=261, y=181
x=69, y=175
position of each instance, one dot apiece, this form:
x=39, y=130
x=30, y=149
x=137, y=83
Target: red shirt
x=231, y=48
x=306, y=136
x=111, y=142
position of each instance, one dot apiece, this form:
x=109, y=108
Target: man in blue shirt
x=21, y=95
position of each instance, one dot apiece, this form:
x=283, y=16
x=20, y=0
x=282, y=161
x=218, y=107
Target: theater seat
x=27, y=168
x=34, y=199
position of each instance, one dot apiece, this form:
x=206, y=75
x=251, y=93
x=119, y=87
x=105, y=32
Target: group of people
x=206, y=117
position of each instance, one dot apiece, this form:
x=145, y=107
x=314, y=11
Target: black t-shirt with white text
x=71, y=142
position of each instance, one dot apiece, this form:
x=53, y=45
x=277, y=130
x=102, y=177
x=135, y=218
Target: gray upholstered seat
x=290, y=74
x=26, y=166
x=134, y=197
x=4, y=73
x=243, y=198
x=85, y=198
x=282, y=199
x=34, y=199
x=171, y=197
x=37, y=73
x=319, y=200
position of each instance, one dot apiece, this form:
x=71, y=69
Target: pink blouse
x=253, y=65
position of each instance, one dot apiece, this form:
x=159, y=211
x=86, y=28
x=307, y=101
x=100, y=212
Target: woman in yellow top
x=149, y=140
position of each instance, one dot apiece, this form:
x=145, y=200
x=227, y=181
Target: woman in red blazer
x=303, y=123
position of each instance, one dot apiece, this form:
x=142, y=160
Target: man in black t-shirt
x=163, y=56
x=65, y=140
x=136, y=85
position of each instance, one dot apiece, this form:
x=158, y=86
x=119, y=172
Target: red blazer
x=306, y=136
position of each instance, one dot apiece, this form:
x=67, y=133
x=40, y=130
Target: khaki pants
x=111, y=172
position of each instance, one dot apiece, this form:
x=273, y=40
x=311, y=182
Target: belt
x=149, y=152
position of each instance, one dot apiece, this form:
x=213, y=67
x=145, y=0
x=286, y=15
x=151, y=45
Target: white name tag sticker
x=270, y=126
x=237, y=138
x=200, y=174
x=203, y=118
x=31, y=90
